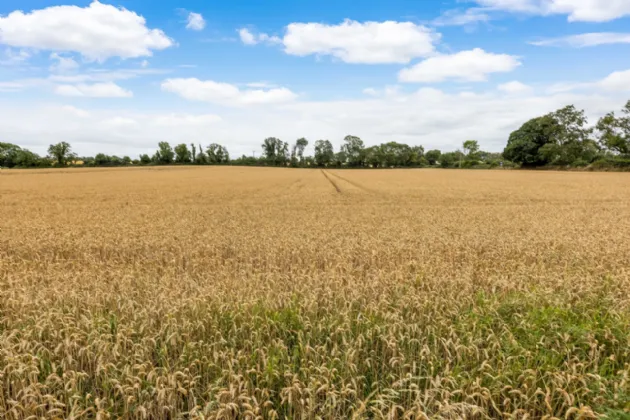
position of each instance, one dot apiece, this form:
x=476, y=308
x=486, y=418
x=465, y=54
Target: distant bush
x=622, y=163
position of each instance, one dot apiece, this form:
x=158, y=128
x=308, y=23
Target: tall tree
x=572, y=143
x=324, y=153
x=61, y=152
x=269, y=148
x=353, y=148
x=300, y=146
x=524, y=144
x=194, y=152
x=472, y=149
x=217, y=154
x=165, y=153
x=275, y=151
x=433, y=156
x=182, y=154
x=614, y=132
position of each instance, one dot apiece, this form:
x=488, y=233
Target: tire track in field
x=354, y=184
x=334, y=184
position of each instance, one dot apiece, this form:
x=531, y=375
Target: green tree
x=165, y=153
x=217, y=154
x=353, y=149
x=300, y=146
x=145, y=159
x=182, y=154
x=417, y=155
x=269, y=148
x=8, y=154
x=275, y=151
x=26, y=159
x=101, y=159
x=472, y=150
x=194, y=152
x=340, y=158
x=372, y=156
x=324, y=153
x=573, y=143
x=524, y=144
x=433, y=156
x=61, y=152
x=614, y=132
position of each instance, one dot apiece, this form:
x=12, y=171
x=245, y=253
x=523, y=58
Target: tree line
x=559, y=139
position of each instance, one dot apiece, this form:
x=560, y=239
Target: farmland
x=226, y=292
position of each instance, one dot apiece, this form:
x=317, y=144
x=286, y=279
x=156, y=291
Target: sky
x=119, y=76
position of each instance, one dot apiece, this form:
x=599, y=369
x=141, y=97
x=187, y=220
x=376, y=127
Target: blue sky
x=117, y=77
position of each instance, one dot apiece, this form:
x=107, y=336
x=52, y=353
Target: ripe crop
x=225, y=292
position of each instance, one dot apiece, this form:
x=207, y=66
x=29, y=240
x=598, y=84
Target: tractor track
x=333, y=183
x=354, y=184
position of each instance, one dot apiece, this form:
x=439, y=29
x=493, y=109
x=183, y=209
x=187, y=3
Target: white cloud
x=144, y=64
x=97, y=32
x=387, y=91
x=462, y=18
x=260, y=85
x=11, y=86
x=514, y=87
x=76, y=111
x=119, y=122
x=225, y=93
x=247, y=37
x=195, y=22
x=585, y=40
x=12, y=57
x=617, y=81
x=250, y=38
x=96, y=90
x=104, y=76
x=473, y=66
x=523, y=6
x=446, y=120
x=175, y=120
x=355, y=42
x=63, y=64
x=577, y=10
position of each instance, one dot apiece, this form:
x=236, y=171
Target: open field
x=225, y=292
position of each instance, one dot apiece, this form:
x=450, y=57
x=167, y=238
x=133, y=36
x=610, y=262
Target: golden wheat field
x=262, y=293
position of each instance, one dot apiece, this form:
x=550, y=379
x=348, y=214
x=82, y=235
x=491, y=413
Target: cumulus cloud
x=225, y=93
x=352, y=41
x=585, y=40
x=356, y=42
x=195, y=22
x=97, y=32
x=577, y=10
x=96, y=90
x=472, y=66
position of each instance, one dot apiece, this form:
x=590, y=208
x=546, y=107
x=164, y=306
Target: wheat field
x=267, y=293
